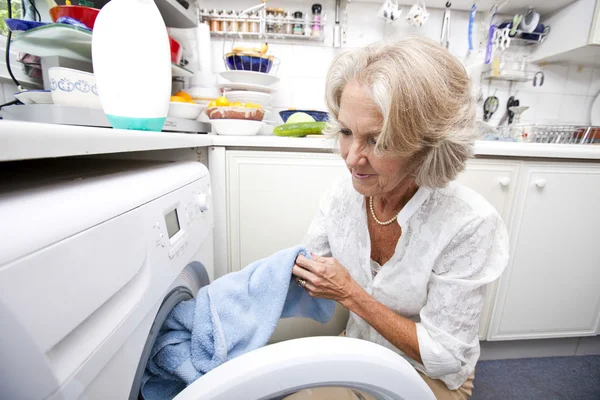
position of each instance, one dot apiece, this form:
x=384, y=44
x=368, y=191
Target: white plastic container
x=132, y=64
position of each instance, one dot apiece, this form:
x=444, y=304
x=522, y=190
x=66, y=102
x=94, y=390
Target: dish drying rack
x=560, y=134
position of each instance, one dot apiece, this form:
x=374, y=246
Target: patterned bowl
x=73, y=88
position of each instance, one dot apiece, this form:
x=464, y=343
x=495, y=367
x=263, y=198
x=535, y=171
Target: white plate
x=243, y=96
x=236, y=127
x=184, y=110
x=595, y=112
x=251, y=77
x=35, y=97
x=246, y=86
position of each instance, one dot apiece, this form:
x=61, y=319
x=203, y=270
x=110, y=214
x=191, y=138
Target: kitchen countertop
x=27, y=140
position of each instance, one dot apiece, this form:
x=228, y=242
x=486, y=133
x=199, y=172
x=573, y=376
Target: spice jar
x=244, y=25
x=298, y=23
x=307, y=26
x=215, y=24
x=316, y=28
x=254, y=24
x=234, y=24
x=204, y=16
x=270, y=23
x=288, y=27
x=279, y=20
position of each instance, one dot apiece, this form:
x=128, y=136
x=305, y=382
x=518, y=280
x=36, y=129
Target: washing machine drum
x=191, y=279
x=363, y=370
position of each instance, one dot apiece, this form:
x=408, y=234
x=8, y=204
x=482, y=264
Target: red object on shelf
x=176, y=51
x=87, y=15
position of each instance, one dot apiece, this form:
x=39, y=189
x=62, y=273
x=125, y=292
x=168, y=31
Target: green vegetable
x=299, y=117
x=300, y=129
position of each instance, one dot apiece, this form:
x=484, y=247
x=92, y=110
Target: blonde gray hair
x=423, y=93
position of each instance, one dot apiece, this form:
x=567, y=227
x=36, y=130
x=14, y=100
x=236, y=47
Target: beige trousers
x=439, y=389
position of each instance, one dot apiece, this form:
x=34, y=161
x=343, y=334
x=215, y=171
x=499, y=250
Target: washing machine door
x=278, y=370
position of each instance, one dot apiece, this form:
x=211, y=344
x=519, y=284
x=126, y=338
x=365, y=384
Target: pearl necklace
x=375, y=218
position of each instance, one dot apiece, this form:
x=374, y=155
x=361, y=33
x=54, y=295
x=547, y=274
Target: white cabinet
x=272, y=198
x=496, y=181
x=551, y=287
x=575, y=32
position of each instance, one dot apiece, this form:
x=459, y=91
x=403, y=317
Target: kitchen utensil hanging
x=490, y=106
x=445, y=36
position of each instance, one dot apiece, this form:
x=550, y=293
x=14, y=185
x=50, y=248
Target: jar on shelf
x=270, y=22
x=307, y=26
x=316, y=28
x=244, y=24
x=254, y=23
x=288, y=26
x=204, y=16
x=279, y=17
x=298, y=23
x=234, y=24
x=215, y=24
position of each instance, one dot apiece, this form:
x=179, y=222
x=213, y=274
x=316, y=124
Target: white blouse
x=453, y=243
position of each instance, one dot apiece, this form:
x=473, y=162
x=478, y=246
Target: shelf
x=29, y=140
x=270, y=36
x=65, y=41
x=511, y=76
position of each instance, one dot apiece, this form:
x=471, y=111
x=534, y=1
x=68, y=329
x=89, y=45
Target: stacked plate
x=252, y=87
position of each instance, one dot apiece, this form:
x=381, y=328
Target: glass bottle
x=316, y=28
x=288, y=27
x=215, y=24
x=298, y=23
x=204, y=16
x=270, y=23
x=254, y=24
x=279, y=20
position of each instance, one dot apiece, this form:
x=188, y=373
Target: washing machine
x=94, y=254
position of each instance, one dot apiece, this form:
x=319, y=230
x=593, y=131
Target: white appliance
x=93, y=256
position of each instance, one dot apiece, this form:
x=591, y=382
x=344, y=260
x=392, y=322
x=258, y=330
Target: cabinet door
x=496, y=181
x=272, y=198
x=551, y=287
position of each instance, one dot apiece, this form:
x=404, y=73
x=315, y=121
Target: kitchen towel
x=235, y=314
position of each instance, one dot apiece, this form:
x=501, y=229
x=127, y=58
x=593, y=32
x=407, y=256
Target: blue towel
x=232, y=316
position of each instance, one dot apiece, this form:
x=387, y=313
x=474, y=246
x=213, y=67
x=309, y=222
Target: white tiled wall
x=565, y=97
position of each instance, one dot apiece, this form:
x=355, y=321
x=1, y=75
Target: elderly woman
x=408, y=251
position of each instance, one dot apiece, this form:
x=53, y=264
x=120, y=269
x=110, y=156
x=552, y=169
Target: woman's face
x=360, y=125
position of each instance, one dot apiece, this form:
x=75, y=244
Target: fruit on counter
x=222, y=101
x=185, y=95
x=300, y=129
x=236, y=104
x=252, y=105
x=299, y=117
x=178, y=99
x=213, y=103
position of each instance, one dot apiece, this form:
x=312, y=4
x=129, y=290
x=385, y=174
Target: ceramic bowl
x=34, y=97
x=87, y=15
x=70, y=87
x=184, y=110
x=319, y=116
x=236, y=127
x=247, y=96
x=251, y=77
x=240, y=62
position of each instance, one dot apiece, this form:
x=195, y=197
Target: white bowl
x=184, y=110
x=236, y=127
x=34, y=97
x=266, y=129
x=251, y=77
x=70, y=87
x=246, y=96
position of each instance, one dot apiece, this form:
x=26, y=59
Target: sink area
x=533, y=133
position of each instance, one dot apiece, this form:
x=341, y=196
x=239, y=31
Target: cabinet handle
x=540, y=183
x=504, y=181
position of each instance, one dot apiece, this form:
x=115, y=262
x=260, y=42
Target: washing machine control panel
x=182, y=218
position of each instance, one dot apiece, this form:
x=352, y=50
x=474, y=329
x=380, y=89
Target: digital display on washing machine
x=172, y=221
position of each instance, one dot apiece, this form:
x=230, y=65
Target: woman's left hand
x=325, y=277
